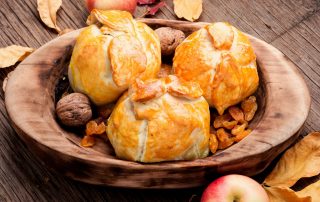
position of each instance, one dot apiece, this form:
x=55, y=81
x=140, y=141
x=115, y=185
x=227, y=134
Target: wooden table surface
x=293, y=26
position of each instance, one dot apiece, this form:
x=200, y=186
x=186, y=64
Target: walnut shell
x=74, y=110
x=169, y=39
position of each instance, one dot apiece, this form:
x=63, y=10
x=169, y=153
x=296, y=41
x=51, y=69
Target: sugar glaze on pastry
x=221, y=59
x=108, y=57
x=160, y=120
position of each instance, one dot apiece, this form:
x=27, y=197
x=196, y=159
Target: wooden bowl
x=284, y=103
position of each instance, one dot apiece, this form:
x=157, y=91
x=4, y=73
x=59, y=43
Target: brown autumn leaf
x=188, y=9
x=12, y=54
x=285, y=194
x=48, y=12
x=154, y=9
x=312, y=190
x=301, y=160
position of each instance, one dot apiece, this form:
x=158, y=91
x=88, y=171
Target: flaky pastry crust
x=112, y=52
x=221, y=59
x=160, y=120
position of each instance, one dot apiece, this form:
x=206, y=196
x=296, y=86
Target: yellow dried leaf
x=48, y=12
x=284, y=194
x=13, y=54
x=188, y=9
x=301, y=160
x=312, y=190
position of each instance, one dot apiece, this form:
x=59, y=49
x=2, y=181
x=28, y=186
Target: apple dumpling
x=221, y=59
x=160, y=120
x=110, y=53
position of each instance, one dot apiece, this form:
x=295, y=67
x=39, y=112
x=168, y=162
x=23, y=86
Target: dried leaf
x=153, y=10
x=312, y=190
x=284, y=194
x=65, y=31
x=301, y=160
x=146, y=2
x=188, y=9
x=5, y=81
x=13, y=54
x=48, y=12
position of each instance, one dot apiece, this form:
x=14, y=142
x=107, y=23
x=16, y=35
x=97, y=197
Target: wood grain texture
x=23, y=176
x=34, y=120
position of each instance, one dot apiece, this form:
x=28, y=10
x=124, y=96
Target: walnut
x=169, y=39
x=74, y=110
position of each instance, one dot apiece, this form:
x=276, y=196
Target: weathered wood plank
x=22, y=175
x=264, y=19
x=301, y=44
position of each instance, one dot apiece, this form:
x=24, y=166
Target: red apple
x=126, y=5
x=234, y=188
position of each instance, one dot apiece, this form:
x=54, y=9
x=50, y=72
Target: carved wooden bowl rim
x=29, y=101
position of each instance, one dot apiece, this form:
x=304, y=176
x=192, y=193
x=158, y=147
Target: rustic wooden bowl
x=284, y=103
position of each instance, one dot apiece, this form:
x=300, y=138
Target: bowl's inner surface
x=102, y=144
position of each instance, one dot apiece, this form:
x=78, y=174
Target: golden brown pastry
x=221, y=59
x=160, y=120
x=107, y=58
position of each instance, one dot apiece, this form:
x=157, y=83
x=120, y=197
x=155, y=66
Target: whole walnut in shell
x=74, y=110
x=169, y=39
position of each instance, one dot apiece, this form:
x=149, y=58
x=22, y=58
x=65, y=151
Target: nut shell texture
x=160, y=120
x=107, y=58
x=169, y=39
x=74, y=110
x=221, y=59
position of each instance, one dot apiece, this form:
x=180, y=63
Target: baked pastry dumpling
x=160, y=120
x=108, y=56
x=221, y=59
